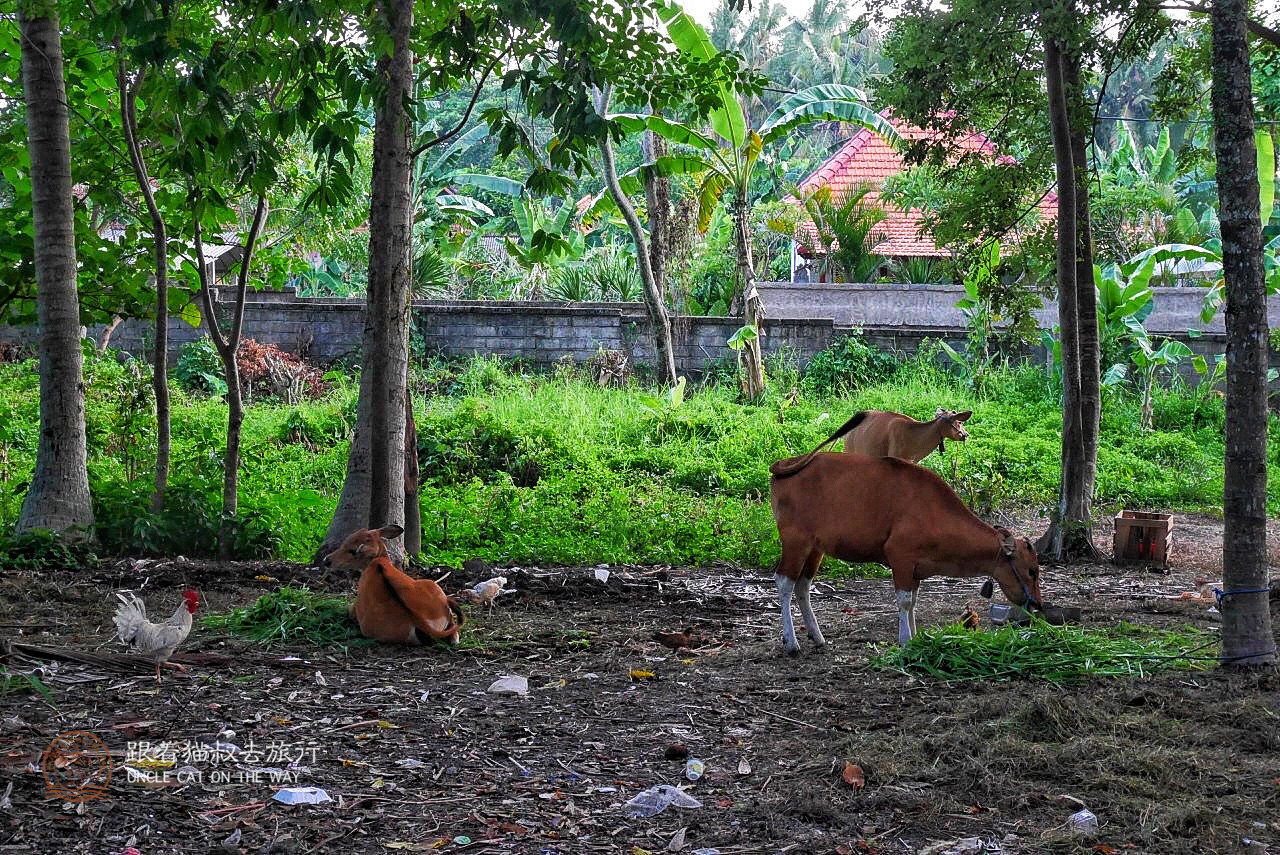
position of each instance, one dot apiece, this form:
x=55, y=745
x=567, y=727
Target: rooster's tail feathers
x=130, y=614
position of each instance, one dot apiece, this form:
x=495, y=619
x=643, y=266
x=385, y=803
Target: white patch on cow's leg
x=806, y=612
x=906, y=607
x=911, y=613
x=785, y=587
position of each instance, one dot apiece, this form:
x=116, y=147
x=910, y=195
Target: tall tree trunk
x=1078, y=539
x=58, y=498
x=160, y=253
x=657, y=196
x=654, y=300
x=228, y=348
x=412, y=507
x=1246, y=619
x=373, y=492
x=752, y=305
x=1057, y=541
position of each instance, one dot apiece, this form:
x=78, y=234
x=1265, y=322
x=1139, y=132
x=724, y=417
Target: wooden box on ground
x=1143, y=537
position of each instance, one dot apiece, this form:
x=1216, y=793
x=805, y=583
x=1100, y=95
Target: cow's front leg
x=906, y=616
x=806, y=611
x=785, y=588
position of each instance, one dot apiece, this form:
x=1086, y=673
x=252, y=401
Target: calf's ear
x=963, y=417
x=390, y=531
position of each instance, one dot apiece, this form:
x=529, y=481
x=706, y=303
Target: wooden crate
x=1143, y=537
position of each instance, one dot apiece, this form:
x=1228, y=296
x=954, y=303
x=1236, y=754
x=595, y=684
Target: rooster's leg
x=177, y=667
x=157, y=672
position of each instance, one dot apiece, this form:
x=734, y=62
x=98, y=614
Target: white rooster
x=484, y=593
x=154, y=641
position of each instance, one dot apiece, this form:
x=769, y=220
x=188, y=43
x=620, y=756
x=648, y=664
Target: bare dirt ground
x=417, y=757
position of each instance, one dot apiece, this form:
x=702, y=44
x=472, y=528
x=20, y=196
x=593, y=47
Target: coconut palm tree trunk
x=1247, y=637
x=58, y=498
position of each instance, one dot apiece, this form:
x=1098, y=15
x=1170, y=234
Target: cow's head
x=952, y=424
x=1018, y=570
x=361, y=547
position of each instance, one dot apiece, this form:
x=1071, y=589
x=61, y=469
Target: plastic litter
x=655, y=800
x=602, y=574
x=301, y=796
x=1083, y=822
x=233, y=839
x=693, y=768
x=707, y=851
x=510, y=684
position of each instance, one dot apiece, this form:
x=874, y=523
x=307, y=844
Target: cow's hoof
x=820, y=646
x=791, y=651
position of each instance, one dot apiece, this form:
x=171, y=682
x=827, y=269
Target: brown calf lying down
x=391, y=606
x=860, y=508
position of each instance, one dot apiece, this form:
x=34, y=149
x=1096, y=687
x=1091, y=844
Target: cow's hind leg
x=803, y=585
x=790, y=568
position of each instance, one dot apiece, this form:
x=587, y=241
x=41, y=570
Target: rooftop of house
x=868, y=159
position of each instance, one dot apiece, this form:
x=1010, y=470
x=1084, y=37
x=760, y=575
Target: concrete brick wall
x=804, y=320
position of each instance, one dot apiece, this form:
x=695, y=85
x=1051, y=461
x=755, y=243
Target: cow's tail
x=791, y=465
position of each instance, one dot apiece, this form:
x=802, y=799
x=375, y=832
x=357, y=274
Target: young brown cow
x=876, y=433
x=391, y=606
x=860, y=508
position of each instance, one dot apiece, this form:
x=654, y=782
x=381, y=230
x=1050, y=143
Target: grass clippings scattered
x=1041, y=651
x=290, y=614
x=11, y=681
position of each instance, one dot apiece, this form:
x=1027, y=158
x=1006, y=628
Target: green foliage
x=199, y=368
x=13, y=683
x=291, y=616
x=1039, y=651
x=848, y=365
x=45, y=550
x=846, y=232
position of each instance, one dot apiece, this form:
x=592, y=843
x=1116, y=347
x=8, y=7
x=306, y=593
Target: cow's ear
x=963, y=417
x=390, y=532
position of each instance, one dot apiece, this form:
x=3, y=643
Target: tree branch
x=466, y=116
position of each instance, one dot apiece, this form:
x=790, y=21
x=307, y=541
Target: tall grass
x=552, y=468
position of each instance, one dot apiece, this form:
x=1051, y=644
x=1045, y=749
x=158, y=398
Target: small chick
x=674, y=640
x=970, y=619
x=484, y=593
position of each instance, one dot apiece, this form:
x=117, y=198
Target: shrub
x=848, y=364
x=199, y=368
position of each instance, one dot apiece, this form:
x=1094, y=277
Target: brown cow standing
x=876, y=433
x=859, y=508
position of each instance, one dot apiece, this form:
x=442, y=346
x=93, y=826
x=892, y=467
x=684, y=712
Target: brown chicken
x=154, y=641
x=970, y=619
x=674, y=640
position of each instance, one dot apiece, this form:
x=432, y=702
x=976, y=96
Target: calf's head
x=1018, y=571
x=952, y=424
x=361, y=547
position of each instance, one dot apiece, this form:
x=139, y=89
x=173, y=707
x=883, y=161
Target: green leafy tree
x=726, y=156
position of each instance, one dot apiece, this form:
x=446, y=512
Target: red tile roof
x=868, y=159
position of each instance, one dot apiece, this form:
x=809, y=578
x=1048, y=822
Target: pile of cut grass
x=296, y=615
x=1041, y=651
x=14, y=682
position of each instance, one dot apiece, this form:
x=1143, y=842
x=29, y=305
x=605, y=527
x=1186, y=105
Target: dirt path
x=416, y=755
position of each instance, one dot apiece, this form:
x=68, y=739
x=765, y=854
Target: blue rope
x=1221, y=594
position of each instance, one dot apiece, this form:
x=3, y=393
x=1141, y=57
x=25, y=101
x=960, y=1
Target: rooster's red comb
x=191, y=596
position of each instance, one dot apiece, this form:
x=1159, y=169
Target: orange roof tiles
x=868, y=159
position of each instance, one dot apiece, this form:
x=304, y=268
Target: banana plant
x=1148, y=360
x=725, y=155
x=547, y=238
x=1211, y=252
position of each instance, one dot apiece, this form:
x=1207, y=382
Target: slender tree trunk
x=412, y=507
x=1246, y=618
x=1056, y=542
x=160, y=251
x=58, y=499
x=657, y=195
x=373, y=492
x=104, y=338
x=654, y=300
x=228, y=348
x=752, y=305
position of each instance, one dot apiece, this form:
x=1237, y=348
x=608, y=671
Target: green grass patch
x=293, y=615
x=1040, y=651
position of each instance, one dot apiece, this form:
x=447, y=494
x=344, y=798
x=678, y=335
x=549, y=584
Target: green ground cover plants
x=531, y=467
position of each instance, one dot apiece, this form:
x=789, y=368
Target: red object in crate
x=1143, y=537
